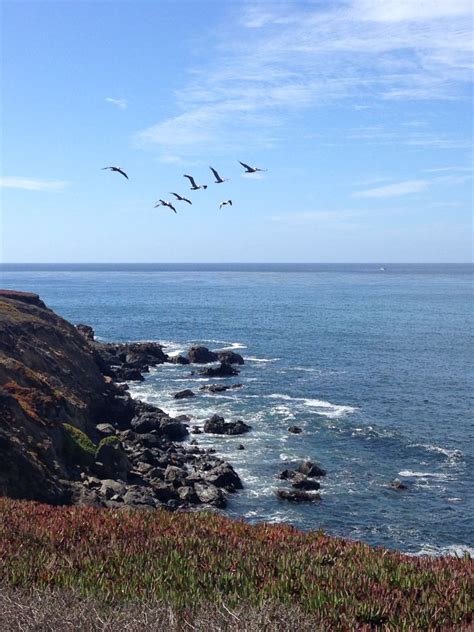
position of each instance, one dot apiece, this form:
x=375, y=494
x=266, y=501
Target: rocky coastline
x=71, y=433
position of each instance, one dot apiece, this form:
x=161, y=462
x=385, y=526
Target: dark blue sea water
x=374, y=365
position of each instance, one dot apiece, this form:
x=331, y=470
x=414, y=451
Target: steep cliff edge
x=48, y=377
x=69, y=433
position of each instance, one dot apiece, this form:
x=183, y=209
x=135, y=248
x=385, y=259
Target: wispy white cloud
x=119, y=103
x=281, y=58
x=394, y=190
x=29, y=184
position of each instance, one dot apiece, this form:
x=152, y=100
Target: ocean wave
x=450, y=453
x=434, y=475
x=228, y=345
x=253, y=359
x=322, y=407
x=453, y=550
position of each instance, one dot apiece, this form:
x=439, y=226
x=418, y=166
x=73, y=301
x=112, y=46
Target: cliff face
x=48, y=376
x=70, y=433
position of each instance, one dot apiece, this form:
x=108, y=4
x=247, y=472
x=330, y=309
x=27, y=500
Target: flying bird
x=168, y=204
x=249, y=169
x=118, y=169
x=180, y=198
x=218, y=179
x=225, y=203
x=194, y=186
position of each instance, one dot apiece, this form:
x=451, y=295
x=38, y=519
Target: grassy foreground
x=187, y=561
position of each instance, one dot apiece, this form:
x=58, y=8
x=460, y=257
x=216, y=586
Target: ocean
x=372, y=361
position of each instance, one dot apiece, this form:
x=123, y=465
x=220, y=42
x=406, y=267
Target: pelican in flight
x=168, y=204
x=249, y=169
x=225, y=203
x=180, y=198
x=218, y=179
x=194, y=186
x=118, y=169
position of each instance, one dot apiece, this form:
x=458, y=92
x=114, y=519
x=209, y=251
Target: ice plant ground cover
x=188, y=560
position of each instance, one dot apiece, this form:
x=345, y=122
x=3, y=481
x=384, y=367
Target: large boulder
x=184, y=394
x=300, y=481
x=210, y=495
x=308, y=468
x=297, y=496
x=231, y=357
x=86, y=331
x=201, y=355
x=219, y=388
x=223, y=475
x=218, y=425
x=178, y=359
x=223, y=370
x=113, y=459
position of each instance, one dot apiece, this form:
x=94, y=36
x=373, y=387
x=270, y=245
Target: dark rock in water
x=178, y=359
x=217, y=425
x=225, y=476
x=183, y=418
x=201, y=355
x=219, y=388
x=241, y=447
x=230, y=357
x=86, y=331
x=397, y=484
x=196, y=430
x=114, y=459
x=300, y=481
x=210, y=494
x=223, y=370
x=184, y=394
x=295, y=429
x=297, y=496
x=311, y=469
x=173, y=430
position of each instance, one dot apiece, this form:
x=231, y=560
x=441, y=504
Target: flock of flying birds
x=194, y=186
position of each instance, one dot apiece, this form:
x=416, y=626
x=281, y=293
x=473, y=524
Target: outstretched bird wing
x=216, y=175
x=121, y=171
x=191, y=180
x=248, y=167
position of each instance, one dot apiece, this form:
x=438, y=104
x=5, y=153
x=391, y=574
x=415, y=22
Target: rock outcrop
x=70, y=433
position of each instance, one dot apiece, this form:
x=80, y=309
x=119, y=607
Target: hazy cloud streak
x=28, y=184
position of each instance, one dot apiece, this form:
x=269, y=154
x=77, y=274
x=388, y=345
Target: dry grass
x=65, y=611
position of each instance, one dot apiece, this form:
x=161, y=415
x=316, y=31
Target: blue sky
x=360, y=110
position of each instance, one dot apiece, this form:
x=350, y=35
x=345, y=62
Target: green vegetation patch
x=78, y=447
x=197, y=558
x=107, y=441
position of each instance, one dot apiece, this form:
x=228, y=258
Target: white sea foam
x=321, y=407
x=450, y=453
x=228, y=345
x=453, y=550
x=434, y=475
x=263, y=360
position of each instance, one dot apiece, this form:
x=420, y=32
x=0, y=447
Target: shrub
x=107, y=441
x=77, y=446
